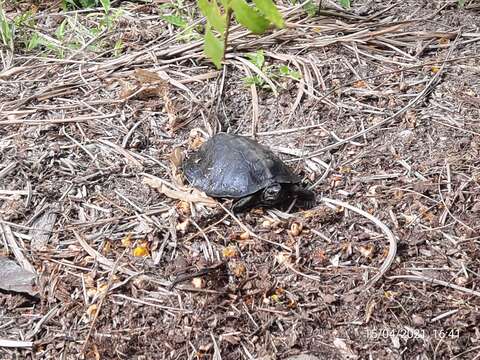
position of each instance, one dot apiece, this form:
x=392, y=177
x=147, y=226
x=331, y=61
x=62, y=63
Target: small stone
x=418, y=320
x=198, y=283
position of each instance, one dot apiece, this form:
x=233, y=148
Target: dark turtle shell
x=235, y=166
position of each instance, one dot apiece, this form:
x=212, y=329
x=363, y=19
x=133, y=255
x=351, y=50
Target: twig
x=392, y=250
x=56, y=121
x=420, y=277
x=15, y=343
x=10, y=240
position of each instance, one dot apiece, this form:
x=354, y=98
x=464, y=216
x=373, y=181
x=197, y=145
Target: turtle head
x=272, y=194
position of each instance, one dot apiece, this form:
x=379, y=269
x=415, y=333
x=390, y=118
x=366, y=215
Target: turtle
x=240, y=168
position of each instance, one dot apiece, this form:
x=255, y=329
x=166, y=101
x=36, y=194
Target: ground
x=376, y=108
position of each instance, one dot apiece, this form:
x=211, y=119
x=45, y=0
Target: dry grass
x=383, y=124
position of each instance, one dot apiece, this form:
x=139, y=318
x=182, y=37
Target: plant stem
x=227, y=28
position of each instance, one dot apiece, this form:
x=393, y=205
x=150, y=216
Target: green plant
x=60, y=32
x=24, y=19
x=284, y=70
x=118, y=48
x=257, y=59
x=175, y=20
x=6, y=29
x=461, y=3
x=311, y=8
x=79, y=4
x=256, y=18
x=180, y=16
x=345, y=3
x=272, y=72
x=105, y=5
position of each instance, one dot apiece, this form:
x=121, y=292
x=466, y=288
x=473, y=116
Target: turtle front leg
x=245, y=203
x=305, y=197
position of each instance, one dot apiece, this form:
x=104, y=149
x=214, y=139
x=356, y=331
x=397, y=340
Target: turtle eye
x=272, y=192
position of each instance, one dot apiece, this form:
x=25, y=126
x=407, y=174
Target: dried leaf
x=196, y=142
x=398, y=194
x=367, y=251
x=369, y=310
x=279, y=291
x=282, y=258
x=127, y=240
x=239, y=269
x=296, y=229
x=390, y=295
x=198, y=283
x=15, y=278
x=176, y=158
x=183, y=207
x=126, y=89
x=244, y=236
x=360, y=84
x=183, y=226
x=230, y=251
x=148, y=77
x=344, y=349
x=141, y=251
x=177, y=194
x=107, y=248
x=267, y=224
x=319, y=257
x=102, y=288
x=92, y=310
x=444, y=40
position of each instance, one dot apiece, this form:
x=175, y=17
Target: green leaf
x=268, y=8
x=105, y=5
x=213, y=47
x=34, y=42
x=284, y=70
x=88, y=3
x=257, y=58
x=311, y=8
x=175, y=20
x=118, y=48
x=6, y=32
x=345, y=4
x=211, y=11
x=253, y=80
x=60, y=32
x=249, y=17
